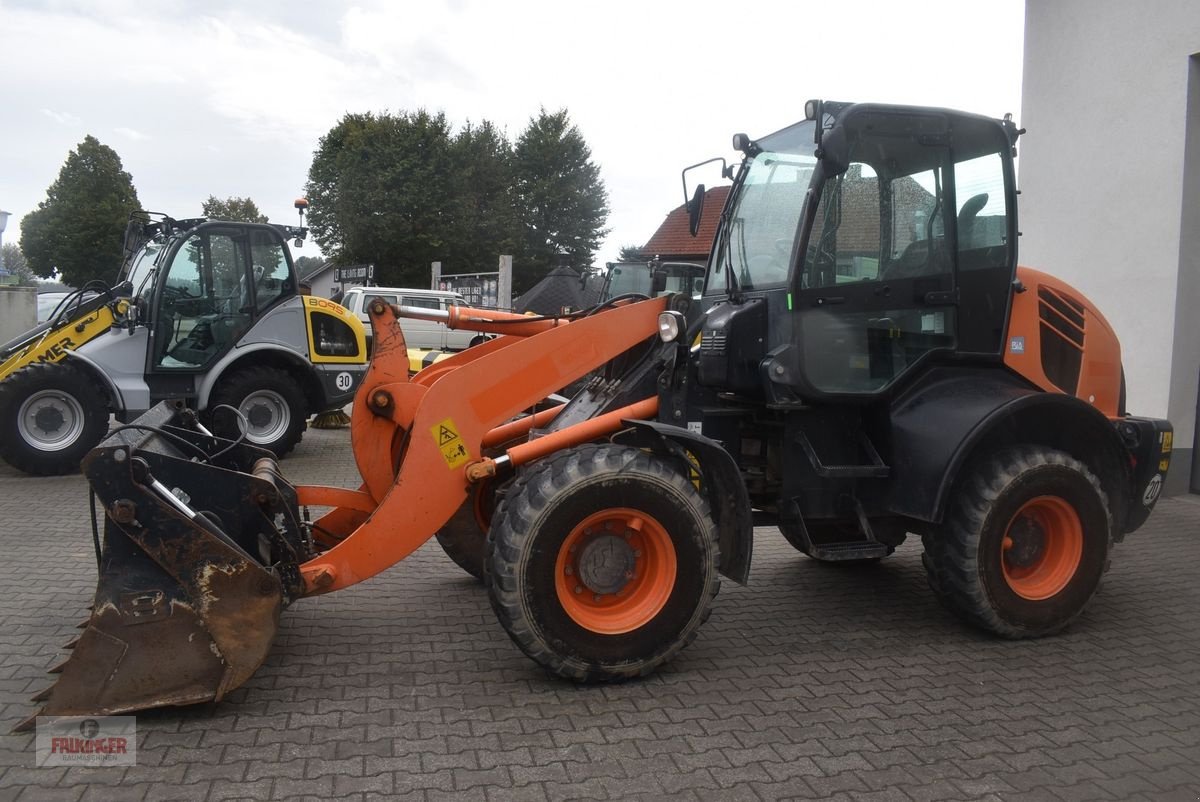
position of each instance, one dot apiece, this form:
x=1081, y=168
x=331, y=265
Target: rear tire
x=1024, y=544
x=51, y=416
x=272, y=402
x=602, y=562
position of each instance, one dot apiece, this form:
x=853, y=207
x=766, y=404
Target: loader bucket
x=198, y=560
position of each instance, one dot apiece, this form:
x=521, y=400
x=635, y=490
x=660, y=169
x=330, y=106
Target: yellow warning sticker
x=1166, y=442
x=453, y=449
x=1164, y=465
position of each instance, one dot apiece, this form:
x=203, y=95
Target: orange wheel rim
x=1042, y=548
x=615, y=571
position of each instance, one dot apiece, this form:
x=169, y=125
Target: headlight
x=670, y=325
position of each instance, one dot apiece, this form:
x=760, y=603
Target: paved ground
x=813, y=682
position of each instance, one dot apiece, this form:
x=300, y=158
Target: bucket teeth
x=71, y=644
x=58, y=669
x=27, y=724
x=83, y=624
x=42, y=695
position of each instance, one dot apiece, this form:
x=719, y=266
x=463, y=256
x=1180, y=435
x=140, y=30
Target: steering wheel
x=770, y=267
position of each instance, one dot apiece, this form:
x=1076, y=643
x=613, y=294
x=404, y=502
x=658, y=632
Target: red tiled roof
x=673, y=240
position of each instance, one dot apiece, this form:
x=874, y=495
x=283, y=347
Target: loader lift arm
x=414, y=440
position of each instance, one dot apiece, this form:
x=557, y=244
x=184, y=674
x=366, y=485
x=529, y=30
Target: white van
x=417, y=333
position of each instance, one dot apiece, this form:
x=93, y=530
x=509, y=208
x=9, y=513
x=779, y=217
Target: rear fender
x=721, y=482
x=954, y=417
x=255, y=354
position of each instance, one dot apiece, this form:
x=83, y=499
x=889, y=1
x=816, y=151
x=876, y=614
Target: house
x=673, y=241
x=323, y=280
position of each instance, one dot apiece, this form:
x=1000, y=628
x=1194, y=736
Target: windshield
x=757, y=241
x=628, y=278
x=143, y=264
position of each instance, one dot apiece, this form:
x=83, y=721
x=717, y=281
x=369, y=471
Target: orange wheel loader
x=866, y=361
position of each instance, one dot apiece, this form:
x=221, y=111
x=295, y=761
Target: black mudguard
x=951, y=415
x=721, y=482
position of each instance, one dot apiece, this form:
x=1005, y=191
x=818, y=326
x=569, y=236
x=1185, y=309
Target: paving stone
x=809, y=683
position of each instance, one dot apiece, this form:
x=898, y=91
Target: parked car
x=47, y=302
x=417, y=333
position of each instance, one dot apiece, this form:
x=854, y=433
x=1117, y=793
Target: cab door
x=884, y=277
x=218, y=281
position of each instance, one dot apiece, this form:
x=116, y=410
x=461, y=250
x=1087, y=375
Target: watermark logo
x=86, y=741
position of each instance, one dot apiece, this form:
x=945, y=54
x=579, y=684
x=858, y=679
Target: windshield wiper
x=731, y=281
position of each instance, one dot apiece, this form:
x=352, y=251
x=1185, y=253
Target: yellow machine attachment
x=205, y=542
x=74, y=323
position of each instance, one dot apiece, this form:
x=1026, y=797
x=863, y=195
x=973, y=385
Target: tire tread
x=531, y=493
x=951, y=553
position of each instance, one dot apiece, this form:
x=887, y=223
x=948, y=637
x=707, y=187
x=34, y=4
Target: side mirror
x=695, y=208
x=834, y=151
x=658, y=280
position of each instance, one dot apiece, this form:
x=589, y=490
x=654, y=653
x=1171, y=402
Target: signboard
x=362, y=273
x=480, y=290
x=486, y=290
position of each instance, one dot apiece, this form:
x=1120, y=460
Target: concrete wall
x=1102, y=173
x=18, y=311
x=1185, y=373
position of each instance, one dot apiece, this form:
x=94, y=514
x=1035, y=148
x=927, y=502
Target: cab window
x=870, y=227
x=271, y=273
x=205, y=302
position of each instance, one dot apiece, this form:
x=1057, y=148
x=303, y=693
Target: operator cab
x=858, y=234
x=216, y=282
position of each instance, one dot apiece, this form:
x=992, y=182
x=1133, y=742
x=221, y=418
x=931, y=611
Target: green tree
x=562, y=199
x=242, y=210
x=78, y=230
x=381, y=192
x=484, y=219
x=14, y=262
x=631, y=253
x=307, y=264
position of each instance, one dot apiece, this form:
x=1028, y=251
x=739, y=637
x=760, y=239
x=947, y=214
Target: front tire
x=272, y=403
x=51, y=415
x=1024, y=544
x=602, y=562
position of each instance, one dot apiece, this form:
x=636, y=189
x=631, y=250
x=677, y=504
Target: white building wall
x=1101, y=172
x=324, y=283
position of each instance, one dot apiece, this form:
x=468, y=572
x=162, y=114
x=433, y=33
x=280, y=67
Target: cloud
x=230, y=98
x=130, y=133
x=62, y=117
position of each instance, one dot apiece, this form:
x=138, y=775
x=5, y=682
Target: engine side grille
x=1063, y=330
x=713, y=342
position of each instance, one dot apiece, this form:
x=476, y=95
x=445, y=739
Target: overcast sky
x=230, y=97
